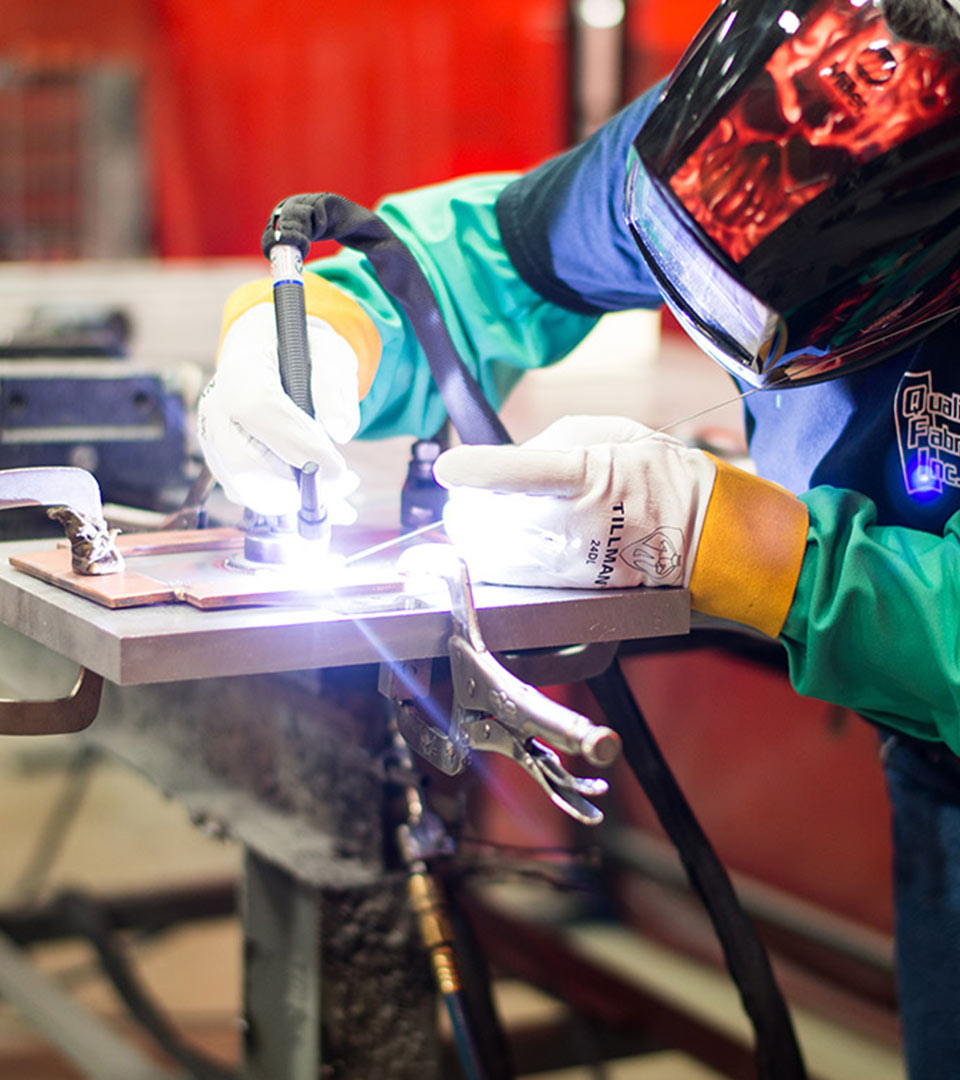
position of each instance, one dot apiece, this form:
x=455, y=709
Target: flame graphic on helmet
x=831, y=97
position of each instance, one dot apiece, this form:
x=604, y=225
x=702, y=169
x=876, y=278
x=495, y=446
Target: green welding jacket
x=524, y=265
x=499, y=324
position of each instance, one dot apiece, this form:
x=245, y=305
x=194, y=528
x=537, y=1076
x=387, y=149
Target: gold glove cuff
x=750, y=552
x=325, y=301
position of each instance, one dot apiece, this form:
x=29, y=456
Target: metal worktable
x=266, y=722
x=172, y=642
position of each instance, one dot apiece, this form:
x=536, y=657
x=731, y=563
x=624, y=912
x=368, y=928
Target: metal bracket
x=72, y=713
x=73, y=498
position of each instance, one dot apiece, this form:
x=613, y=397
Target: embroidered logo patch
x=928, y=434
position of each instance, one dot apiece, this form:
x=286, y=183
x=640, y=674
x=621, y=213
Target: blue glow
x=924, y=477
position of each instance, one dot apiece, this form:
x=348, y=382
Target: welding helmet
x=796, y=189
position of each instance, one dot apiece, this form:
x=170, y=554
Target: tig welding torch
x=293, y=349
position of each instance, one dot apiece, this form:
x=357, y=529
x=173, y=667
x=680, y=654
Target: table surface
x=173, y=641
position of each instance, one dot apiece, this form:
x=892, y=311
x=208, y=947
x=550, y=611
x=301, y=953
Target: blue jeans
x=923, y=780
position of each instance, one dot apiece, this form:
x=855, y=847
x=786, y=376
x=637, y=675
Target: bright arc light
x=602, y=14
x=789, y=22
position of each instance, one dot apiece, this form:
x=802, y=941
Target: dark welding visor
x=796, y=190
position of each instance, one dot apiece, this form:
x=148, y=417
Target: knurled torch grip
x=286, y=268
x=293, y=355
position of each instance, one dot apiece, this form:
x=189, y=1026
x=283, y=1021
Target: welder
x=793, y=193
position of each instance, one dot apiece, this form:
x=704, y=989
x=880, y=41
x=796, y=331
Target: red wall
x=248, y=101
x=789, y=789
x=657, y=33
x=274, y=99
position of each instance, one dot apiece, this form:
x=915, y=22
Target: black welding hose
x=777, y=1051
x=293, y=348
x=293, y=355
x=302, y=219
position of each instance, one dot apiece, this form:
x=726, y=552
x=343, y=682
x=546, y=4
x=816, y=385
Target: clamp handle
x=494, y=710
x=483, y=683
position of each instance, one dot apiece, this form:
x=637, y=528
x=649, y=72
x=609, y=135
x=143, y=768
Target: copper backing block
x=125, y=589
x=201, y=568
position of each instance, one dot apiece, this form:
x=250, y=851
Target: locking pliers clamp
x=495, y=711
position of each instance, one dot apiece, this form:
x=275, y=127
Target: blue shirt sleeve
x=564, y=225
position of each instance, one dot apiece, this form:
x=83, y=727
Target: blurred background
x=168, y=128
x=142, y=146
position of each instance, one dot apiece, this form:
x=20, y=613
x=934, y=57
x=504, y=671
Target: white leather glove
x=253, y=435
x=591, y=502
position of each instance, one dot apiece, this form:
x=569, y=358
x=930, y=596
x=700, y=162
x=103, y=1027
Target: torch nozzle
x=312, y=521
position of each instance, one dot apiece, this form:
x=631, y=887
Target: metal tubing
x=72, y=713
